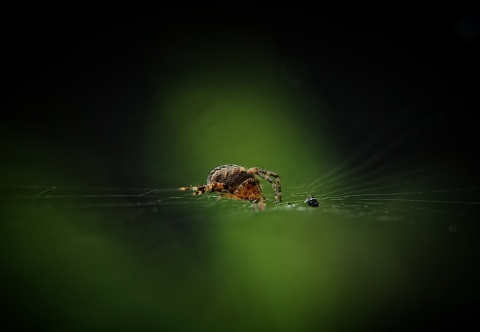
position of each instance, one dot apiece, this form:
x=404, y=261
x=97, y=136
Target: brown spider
x=236, y=182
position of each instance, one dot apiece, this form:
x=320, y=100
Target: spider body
x=237, y=182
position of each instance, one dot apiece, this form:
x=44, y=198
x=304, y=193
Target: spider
x=237, y=182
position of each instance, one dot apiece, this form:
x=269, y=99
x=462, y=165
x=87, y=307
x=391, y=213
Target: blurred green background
x=122, y=100
x=238, y=110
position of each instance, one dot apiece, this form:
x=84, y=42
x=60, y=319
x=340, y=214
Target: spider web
x=377, y=181
x=380, y=194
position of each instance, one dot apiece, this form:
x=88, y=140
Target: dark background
x=88, y=98
x=84, y=83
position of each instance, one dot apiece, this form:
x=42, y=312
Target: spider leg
x=267, y=175
x=207, y=188
x=197, y=190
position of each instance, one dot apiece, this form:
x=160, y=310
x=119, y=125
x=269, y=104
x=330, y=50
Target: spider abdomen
x=230, y=175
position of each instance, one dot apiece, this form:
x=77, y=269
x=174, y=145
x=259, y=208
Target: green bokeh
x=234, y=108
x=280, y=270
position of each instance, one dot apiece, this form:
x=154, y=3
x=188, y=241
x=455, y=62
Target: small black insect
x=312, y=201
